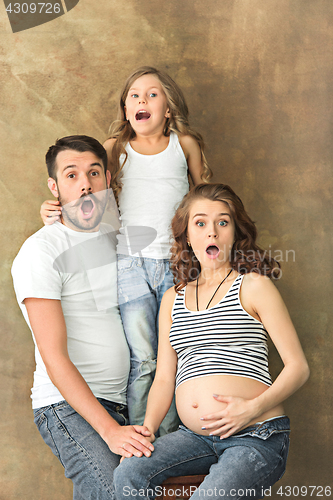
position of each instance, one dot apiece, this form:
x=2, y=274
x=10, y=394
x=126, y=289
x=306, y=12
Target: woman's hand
x=236, y=415
x=50, y=211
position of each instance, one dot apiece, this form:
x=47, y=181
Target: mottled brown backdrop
x=258, y=77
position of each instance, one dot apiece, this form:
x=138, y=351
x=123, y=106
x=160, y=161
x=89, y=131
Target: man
x=65, y=282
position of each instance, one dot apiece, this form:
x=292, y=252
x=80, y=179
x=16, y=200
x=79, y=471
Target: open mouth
x=142, y=115
x=87, y=208
x=212, y=251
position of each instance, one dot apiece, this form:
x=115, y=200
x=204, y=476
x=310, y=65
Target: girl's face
x=146, y=106
x=211, y=232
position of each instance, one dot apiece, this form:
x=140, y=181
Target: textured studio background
x=258, y=78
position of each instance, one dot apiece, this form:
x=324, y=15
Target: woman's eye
x=222, y=223
x=200, y=223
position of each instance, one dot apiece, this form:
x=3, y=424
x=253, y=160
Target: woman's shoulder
x=257, y=288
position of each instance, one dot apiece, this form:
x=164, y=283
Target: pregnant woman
x=214, y=326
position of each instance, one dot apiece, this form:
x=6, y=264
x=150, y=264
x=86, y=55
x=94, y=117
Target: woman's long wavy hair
x=246, y=256
x=122, y=131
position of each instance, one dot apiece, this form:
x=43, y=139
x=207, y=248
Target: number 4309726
x=32, y=8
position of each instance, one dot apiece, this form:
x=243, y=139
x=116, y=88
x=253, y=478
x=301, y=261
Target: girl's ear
x=53, y=187
x=167, y=113
x=125, y=111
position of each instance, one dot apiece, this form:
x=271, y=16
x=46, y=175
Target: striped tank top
x=221, y=340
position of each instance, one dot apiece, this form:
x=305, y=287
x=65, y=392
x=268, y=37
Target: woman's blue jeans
x=239, y=467
x=141, y=285
x=87, y=459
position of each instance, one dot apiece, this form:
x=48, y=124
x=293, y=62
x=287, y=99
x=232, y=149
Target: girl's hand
x=50, y=211
x=235, y=416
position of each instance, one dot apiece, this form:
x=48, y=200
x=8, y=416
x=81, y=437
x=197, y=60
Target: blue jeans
x=141, y=285
x=87, y=459
x=241, y=466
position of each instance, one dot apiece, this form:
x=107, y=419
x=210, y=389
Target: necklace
x=196, y=290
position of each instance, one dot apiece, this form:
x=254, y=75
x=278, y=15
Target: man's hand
x=131, y=440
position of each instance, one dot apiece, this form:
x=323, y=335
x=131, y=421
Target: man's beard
x=72, y=213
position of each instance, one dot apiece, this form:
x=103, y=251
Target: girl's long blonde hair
x=122, y=131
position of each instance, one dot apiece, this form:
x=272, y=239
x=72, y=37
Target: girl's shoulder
x=188, y=144
x=108, y=144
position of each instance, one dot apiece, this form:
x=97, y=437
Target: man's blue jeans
x=87, y=459
x=141, y=285
x=239, y=467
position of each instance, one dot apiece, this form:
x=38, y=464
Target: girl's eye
x=223, y=223
x=135, y=95
x=153, y=94
x=200, y=223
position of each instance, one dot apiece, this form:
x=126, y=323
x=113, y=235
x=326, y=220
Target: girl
x=151, y=151
x=213, y=348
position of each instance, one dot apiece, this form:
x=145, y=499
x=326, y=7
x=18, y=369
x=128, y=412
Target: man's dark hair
x=80, y=143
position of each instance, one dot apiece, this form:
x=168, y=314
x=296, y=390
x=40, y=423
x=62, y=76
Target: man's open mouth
x=142, y=115
x=212, y=251
x=87, y=208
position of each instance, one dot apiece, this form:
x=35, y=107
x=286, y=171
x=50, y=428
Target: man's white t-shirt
x=79, y=269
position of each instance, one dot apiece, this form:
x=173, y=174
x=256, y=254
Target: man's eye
x=71, y=176
x=95, y=173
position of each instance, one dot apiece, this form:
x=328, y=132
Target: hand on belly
x=217, y=405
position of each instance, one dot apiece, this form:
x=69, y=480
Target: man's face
x=81, y=188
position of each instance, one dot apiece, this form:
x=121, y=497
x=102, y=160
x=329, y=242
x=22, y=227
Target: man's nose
x=86, y=185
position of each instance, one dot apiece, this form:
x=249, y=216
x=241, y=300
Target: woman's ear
x=52, y=184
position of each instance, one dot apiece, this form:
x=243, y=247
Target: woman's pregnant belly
x=194, y=398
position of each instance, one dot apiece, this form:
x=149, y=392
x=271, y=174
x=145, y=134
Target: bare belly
x=194, y=398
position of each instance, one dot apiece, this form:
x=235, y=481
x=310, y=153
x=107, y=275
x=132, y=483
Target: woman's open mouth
x=142, y=115
x=212, y=251
x=87, y=208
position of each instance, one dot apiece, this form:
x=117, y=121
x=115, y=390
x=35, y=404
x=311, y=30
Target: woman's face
x=211, y=232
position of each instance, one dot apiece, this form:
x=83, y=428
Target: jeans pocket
x=124, y=264
x=42, y=424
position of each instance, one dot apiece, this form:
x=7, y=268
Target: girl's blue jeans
x=239, y=467
x=141, y=285
x=87, y=459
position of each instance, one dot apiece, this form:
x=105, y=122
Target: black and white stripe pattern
x=221, y=340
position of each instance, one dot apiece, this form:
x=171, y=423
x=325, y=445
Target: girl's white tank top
x=153, y=187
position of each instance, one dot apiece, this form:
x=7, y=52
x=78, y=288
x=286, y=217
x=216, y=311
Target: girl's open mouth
x=87, y=208
x=212, y=251
x=142, y=115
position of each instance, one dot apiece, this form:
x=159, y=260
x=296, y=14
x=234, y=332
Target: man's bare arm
x=49, y=328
